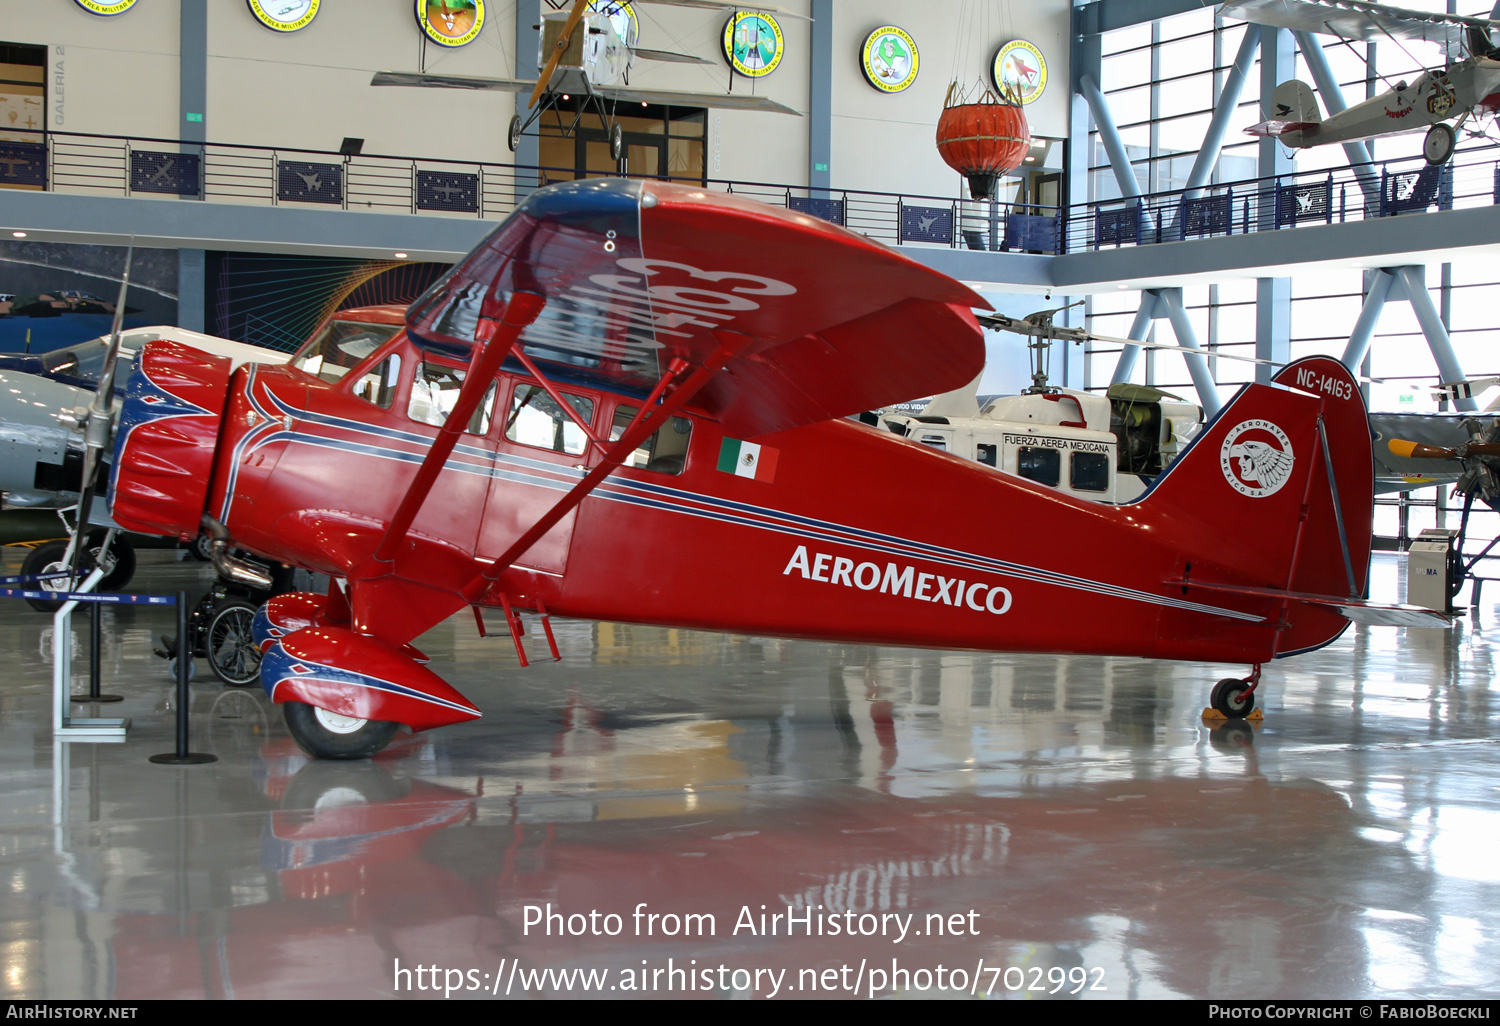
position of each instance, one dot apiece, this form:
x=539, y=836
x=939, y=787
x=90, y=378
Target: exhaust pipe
x=231, y=567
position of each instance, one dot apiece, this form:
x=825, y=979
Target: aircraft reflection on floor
x=1078, y=806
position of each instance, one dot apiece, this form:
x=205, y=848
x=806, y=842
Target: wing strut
x=493, y=340
x=672, y=394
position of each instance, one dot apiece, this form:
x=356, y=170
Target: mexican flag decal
x=746, y=459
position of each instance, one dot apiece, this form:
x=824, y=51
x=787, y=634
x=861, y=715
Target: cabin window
x=939, y=442
x=664, y=452
x=986, y=454
x=341, y=346
x=435, y=392
x=536, y=419
x=378, y=385
x=1090, y=472
x=1039, y=463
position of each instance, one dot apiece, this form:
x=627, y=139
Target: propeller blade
x=1416, y=450
x=545, y=78
x=97, y=426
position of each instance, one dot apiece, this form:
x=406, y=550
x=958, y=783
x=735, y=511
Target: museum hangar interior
x=742, y=809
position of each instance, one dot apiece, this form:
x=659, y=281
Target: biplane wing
x=726, y=101
x=636, y=275
x=1356, y=19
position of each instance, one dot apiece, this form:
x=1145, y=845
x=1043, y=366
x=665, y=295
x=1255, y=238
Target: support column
x=1273, y=324
x=820, y=106
x=1197, y=363
x=1277, y=60
x=1414, y=278
x=1110, y=136
x=528, y=150
x=1138, y=329
x=1379, y=290
x=192, y=290
x=192, y=71
x=1225, y=109
x=1333, y=102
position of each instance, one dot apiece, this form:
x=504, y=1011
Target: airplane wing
x=726, y=101
x=638, y=276
x=631, y=94
x=1379, y=614
x=1355, y=19
x=716, y=5
x=668, y=56
x=404, y=78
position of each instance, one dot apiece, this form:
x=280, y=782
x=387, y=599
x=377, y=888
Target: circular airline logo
x=284, y=15
x=105, y=8
x=450, y=22
x=1019, y=71
x=753, y=43
x=621, y=16
x=1256, y=458
x=889, y=59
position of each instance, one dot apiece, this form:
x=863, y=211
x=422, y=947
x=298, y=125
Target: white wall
x=887, y=142
x=311, y=88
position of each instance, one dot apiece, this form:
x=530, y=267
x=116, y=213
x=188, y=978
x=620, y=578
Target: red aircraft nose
x=164, y=446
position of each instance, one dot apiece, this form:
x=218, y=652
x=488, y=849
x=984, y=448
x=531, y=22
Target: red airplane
x=564, y=424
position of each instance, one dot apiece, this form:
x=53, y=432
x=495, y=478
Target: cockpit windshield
x=342, y=345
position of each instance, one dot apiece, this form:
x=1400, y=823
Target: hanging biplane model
x=1468, y=87
x=627, y=404
x=586, y=52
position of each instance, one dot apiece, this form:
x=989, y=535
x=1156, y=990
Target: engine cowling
x=164, y=446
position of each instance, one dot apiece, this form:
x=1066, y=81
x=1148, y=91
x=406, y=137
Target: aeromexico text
x=895, y=579
x=794, y=922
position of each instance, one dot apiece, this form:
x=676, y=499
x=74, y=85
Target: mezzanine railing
x=85, y=164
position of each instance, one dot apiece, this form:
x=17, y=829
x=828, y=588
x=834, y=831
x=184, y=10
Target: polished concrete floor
x=1037, y=826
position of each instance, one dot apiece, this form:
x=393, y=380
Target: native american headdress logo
x=1256, y=458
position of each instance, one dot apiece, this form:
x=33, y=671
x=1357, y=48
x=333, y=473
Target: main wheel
x=46, y=558
x=327, y=735
x=513, y=137
x=1437, y=146
x=616, y=141
x=1233, y=698
x=232, y=652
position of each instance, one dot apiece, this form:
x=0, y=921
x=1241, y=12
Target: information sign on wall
x=284, y=15
x=889, y=59
x=451, y=22
x=1019, y=71
x=753, y=44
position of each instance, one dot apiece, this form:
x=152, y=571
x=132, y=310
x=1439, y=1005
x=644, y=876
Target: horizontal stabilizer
x=1378, y=614
x=1276, y=128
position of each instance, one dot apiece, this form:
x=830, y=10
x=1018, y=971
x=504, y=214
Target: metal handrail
x=89, y=163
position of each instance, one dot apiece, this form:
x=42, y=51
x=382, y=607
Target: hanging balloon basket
x=982, y=141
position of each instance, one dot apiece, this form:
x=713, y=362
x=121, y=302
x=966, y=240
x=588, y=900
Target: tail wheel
x=328, y=735
x=232, y=652
x=1233, y=698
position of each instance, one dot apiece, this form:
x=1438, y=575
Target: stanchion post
x=94, y=632
x=183, y=757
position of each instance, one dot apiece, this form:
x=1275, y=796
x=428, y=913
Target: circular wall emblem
x=104, y=7
x=284, y=15
x=621, y=16
x=450, y=22
x=753, y=43
x=1019, y=70
x=889, y=59
x=1256, y=458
